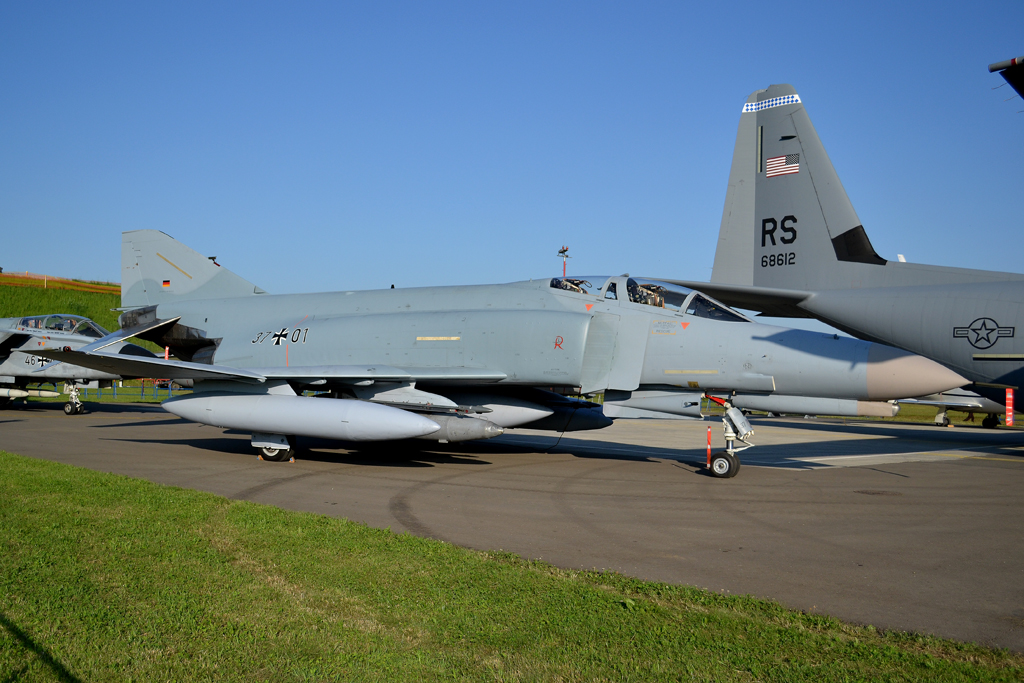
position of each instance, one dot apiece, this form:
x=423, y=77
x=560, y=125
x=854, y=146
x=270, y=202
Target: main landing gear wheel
x=277, y=454
x=724, y=465
x=990, y=422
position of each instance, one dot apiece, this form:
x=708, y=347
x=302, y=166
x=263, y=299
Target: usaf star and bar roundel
x=983, y=333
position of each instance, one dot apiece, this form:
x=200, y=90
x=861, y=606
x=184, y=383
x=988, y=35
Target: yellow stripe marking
x=691, y=372
x=174, y=266
x=438, y=338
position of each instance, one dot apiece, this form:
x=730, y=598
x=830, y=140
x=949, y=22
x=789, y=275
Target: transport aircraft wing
x=1013, y=71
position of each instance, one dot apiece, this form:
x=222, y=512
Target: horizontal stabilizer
x=127, y=333
x=139, y=366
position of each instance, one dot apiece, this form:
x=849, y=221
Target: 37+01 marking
x=282, y=336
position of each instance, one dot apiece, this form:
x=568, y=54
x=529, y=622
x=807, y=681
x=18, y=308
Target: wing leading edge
x=136, y=366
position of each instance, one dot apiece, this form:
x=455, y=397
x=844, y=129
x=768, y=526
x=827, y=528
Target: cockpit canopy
x=74, y=324
x=650, y=293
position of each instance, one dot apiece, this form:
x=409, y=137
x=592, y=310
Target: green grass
x=22, y=301
x=103, y=577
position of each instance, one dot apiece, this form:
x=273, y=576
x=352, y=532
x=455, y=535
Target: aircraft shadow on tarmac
x=150, y=423
x=861, y=439
x=383, y=454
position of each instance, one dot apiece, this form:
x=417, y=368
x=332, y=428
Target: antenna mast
x=564, y=253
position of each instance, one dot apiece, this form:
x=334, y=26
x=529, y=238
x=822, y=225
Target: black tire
x=724, y=465
x=4, y=403
x=990, y=422
x=80, y=409
x=277, y=454
x=69, y=409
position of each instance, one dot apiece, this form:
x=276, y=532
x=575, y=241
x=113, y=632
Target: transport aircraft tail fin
x=787, y=222
x=156, y=269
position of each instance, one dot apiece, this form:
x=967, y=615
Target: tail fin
x=156, y=269
x=788, y=223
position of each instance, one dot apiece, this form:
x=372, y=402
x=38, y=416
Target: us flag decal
x=784, y=165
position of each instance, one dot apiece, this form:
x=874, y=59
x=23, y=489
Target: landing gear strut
x=725, y=464
x=74, y=405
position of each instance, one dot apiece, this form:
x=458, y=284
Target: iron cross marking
x=278, y=337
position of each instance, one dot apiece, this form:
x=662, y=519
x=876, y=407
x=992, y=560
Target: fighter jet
x=460, y=363
x=791, y=245
x=21, y=340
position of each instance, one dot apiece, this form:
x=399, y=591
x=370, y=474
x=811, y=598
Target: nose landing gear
x=726, y=464
x=74, y=405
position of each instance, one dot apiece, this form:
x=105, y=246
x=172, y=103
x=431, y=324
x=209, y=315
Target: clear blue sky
x=355, y=145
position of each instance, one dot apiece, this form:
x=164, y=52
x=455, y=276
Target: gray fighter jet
x=791, y=245
x=21, y=340
x=460, y=363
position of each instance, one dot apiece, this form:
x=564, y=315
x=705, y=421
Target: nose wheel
x=724, y=465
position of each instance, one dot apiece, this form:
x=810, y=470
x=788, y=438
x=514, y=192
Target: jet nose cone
x=893, y=373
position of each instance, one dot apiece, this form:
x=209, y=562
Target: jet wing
x=139, y=366
x=781, y=303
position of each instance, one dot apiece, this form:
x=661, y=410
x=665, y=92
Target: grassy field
x=20, y=301
x=103, y=577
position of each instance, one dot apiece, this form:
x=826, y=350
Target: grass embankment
x=50, y=282
x=16, y=301
x=103, y=577
x=24, y=300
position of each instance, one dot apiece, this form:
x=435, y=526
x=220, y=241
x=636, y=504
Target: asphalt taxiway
x=900, y=526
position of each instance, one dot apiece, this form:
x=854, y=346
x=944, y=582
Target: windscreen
x=703, y=307
x=88, y=328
